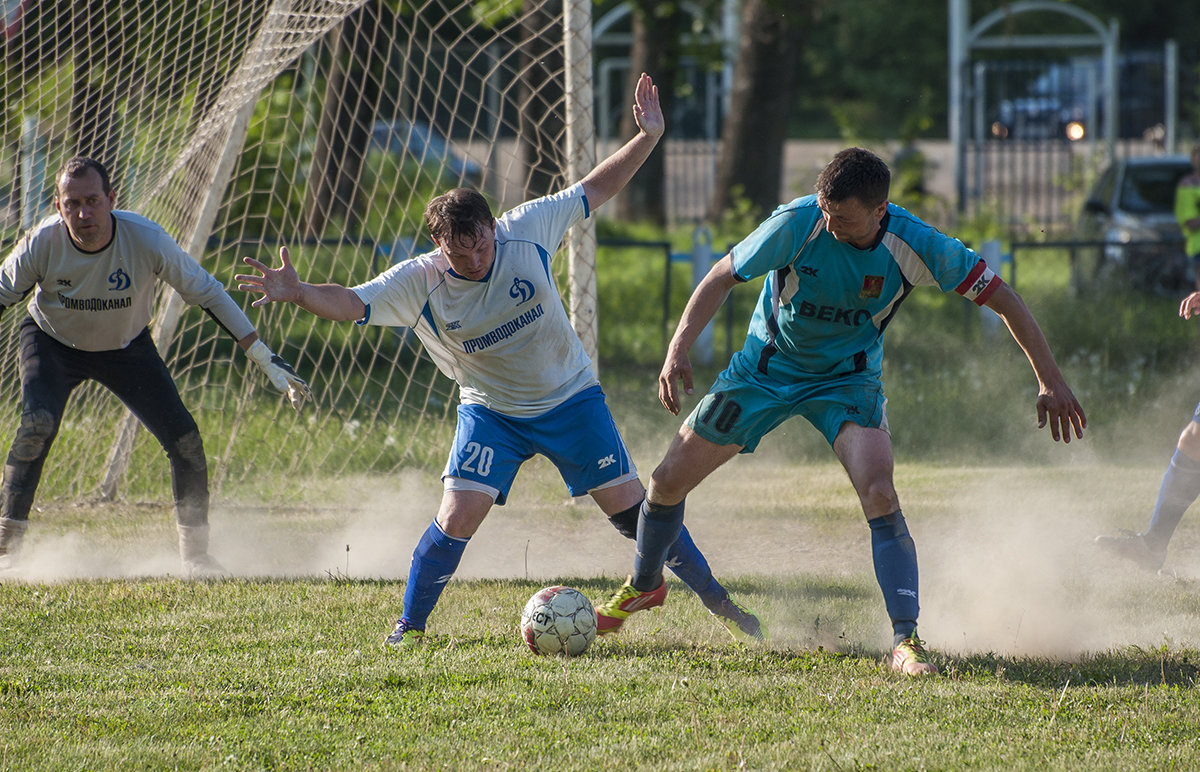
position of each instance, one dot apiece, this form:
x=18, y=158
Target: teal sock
x=895, y=558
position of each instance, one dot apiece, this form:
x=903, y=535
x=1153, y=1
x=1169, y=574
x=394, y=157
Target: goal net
x=326, y=126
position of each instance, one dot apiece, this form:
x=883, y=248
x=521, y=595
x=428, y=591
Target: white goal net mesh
x=243, y=125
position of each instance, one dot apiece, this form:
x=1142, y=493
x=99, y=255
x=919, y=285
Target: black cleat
x=1132, y=547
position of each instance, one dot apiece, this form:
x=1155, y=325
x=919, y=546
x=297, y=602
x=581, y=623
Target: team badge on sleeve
x=872, y=287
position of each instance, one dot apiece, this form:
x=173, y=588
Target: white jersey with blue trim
x=505, y=339
x=102, y=300
x=825, y=304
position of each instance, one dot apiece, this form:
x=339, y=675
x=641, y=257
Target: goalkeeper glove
x=281, y=375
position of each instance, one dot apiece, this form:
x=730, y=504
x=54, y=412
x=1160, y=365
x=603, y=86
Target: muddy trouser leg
x=12, y=533
x=47, y=378
x=22, y=472
x=141, y=380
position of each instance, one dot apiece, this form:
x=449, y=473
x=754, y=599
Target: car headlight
x=1118, y=235
x=1120, y=240
x=1124, y=230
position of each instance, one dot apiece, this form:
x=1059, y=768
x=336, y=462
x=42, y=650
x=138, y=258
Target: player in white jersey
x=838, y=266
x=93, y=271
x=1180, y=486
x=485, y=305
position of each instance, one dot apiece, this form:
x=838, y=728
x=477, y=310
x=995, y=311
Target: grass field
x=1052, y=658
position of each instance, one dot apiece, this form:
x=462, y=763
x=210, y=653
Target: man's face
x=86, y=209
x=471, y=257
x=851, y=222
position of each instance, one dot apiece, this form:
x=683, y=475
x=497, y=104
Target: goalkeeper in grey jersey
x=93, y=272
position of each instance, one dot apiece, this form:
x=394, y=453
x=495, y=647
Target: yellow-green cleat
x=404, y=636
x=911, y=658
x=611, y=614
x=742, y=623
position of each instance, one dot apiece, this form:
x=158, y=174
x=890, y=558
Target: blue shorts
x=579, y=437
x=743, y=405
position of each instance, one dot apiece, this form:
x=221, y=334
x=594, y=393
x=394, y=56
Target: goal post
x=171, y=305
x=218, y=120
x=581, y=158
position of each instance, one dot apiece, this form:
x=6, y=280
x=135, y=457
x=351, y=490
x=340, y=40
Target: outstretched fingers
x=255, y=264
x=274, y=284
x=1190, y=306
x=647, y=111
x=250, y=282
x=1063, y=414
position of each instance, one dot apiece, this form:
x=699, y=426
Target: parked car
x=424, y=144
x=1066, y=99
x=1049, y=105
x=1130, y=213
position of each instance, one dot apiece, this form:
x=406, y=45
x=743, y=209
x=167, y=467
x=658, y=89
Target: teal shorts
x=742, y=405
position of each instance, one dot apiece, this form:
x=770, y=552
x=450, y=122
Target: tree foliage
x=881, y=71
x=656, y=48
x=774, y=32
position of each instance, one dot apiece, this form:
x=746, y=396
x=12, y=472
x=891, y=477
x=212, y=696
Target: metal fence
x=1160, y=267
x=1035, y=142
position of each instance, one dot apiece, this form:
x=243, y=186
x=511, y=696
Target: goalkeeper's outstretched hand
x=281, y=374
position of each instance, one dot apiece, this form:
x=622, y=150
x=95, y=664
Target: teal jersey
x=825, y=304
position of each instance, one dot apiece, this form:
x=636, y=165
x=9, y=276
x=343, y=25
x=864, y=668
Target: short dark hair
x=78, y=166
x=460, y=213
x=855, y=173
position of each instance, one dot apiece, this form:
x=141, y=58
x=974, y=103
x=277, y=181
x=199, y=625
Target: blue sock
x=896, y=571
x=433, y=563
x=1180, y=487
x=688, y=563
x=684, y=559
x=658, y=529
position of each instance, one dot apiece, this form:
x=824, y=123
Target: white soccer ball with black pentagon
x=558, y=620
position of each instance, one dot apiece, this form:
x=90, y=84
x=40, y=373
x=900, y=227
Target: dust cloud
x=1019, y=574
x=1008, y=563
x=365, y=530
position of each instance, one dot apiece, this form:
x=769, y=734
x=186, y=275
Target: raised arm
x=1056, y=404
x=614, y=172
x=283, y=285
x=702, y=306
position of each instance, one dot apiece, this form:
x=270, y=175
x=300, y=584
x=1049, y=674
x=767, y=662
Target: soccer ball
x=558, y=620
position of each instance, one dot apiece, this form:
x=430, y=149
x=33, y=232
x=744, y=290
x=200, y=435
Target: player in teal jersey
x=838, y=264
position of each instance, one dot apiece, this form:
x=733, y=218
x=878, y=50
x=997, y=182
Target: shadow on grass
x=1133, y=666
x=1130, y=666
